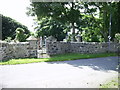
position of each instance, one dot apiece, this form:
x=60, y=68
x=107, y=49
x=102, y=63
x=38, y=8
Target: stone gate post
x=33, y=42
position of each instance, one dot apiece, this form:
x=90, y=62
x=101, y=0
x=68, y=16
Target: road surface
x=83, y=73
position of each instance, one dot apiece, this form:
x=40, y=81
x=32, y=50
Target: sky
x=16, y=9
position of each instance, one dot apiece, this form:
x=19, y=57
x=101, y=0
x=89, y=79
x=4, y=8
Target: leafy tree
x=20, y=35
x=49, y=27
x=81, y=16
x=9, y=26
x=115, y=28
x=105, y=10
x=65, y=13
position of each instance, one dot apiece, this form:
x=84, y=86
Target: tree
x=49, y=27
x=65, y=13
x=105, y=10
x=73, y=15
x=9, y=26
x=91, y=29
x=20, y=35
x=115, y=28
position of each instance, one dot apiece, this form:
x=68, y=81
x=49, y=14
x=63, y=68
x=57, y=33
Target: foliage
x=62, y=57
x=105, y=10
x=98, y=28
x=81, y=16
x=49, y=27
x=20, y=35
x=9, y=26
x=9, y=39
x=65, y=13
x=111, y=84
x=89, y=30
x=117, y=36
x=115, y=19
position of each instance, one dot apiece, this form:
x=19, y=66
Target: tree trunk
x=73, y=32
x=73, y=26
x=104, y=15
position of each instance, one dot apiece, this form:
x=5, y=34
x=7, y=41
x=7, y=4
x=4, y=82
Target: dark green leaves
x=9, y=26
x=49, y=27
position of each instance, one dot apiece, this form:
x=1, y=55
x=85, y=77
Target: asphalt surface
x=83, y=73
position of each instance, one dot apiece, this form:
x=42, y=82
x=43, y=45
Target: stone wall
x=53, y=48
x=17, y=50
x=32, y=50
x=57, y=47
x=29, y=49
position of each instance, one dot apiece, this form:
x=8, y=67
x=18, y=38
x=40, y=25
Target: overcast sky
x=16, y=9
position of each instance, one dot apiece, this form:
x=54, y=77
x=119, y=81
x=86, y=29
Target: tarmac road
x=83, y=73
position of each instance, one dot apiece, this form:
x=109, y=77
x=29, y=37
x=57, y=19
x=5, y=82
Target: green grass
x=111, y=84
x=62, y=57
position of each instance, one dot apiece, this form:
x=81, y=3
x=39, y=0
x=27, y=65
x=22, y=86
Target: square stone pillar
x=33, y=43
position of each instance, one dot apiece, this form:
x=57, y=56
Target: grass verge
x=62, y=57
x=111, y=84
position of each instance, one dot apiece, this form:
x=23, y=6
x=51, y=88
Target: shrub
x=117, y=36
x=20, y=35
x=9, y=39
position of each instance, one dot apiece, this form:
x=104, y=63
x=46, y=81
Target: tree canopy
x=9, y=26
x=107, y=10
x=49, y=27
x=91, y=19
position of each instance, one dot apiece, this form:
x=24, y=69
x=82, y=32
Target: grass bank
x=62, y=57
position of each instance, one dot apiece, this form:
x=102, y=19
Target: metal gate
x=42, y=48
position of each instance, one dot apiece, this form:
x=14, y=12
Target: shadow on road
x=104, y=64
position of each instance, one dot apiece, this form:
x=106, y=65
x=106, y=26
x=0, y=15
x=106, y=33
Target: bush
x=117, y=36
x=20, y=35
x=9, y=39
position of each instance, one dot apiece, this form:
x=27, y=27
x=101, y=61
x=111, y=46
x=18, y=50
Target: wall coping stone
x=14, y=42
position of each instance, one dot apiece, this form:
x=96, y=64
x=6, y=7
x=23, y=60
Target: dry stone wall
x=57, y=47
x=29, y=49
x=17, y=50
x=53, y=48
